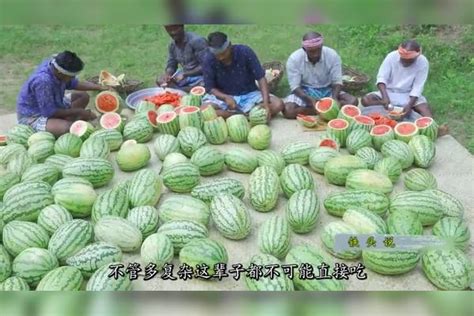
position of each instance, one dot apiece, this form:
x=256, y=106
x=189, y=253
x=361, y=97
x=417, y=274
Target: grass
x=141, y=52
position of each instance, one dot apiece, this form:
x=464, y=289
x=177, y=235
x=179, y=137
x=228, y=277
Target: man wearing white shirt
x=314, y=72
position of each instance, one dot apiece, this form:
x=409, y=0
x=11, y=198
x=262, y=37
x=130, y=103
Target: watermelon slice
x=82, y=129
x=348, y=112
x=111, y=120
x=168, y=123
x=364, y=122
x=151, y=116
x=405, y=131
x=307, y=120
x=108, y=101
x=3, y=139
x=338, y=129
x=381, y=134
x=329, y=142
x=190, y=116
x=327, y=108
x=198, y=91
x=427, y=126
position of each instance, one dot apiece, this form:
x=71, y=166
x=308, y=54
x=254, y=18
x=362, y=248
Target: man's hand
x=385, y=102
x=266, y=106
x=179, y=77
x=86, y=115
x=407, y=110
x=310, y=102
x=230, y=102
x=164, y=79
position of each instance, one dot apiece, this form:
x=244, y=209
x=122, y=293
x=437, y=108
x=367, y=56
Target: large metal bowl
x=134, y=98
x=380, y=109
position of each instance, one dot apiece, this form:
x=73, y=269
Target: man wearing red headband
x=401, y=79
x=314, y=72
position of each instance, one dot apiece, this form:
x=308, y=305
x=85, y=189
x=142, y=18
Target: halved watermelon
x=129, y=142
x=165, y=108
x=111, y=120
x=405, y=131
x=329, y=142
x=190, y=116
x=3, y=139
x=427, y=126
x=381, y=134
x=208, y=112
x=108, y=101
x=327, y=108
x=338, y=129
x=151, y=116
x=348, y=112
x=307, y=120
x=82, y=129
x=179, y=108
x=168, y=123
x=364, y=122
x=198, y=90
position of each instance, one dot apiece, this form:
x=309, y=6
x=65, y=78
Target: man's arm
x=382, y=79
x=294, y=80
x=336, y=76
x=89, y=86
x=200, y=49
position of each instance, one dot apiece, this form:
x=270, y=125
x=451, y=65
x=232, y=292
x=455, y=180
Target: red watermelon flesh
x=189, y=109
x=3, y=139
x=406, y=128
x=351, y=110
x=106, y=102
x=338, y=124
x=306, y=120
x=324, y=104
x=110, y=120
x=424, y=122
x=198, y=90
x=328, y=142
x=380, y=130
x=363, y=119
x=166, y=117
x=151, y=115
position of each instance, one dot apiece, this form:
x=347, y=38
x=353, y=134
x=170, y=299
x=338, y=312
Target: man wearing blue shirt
x=230, y=72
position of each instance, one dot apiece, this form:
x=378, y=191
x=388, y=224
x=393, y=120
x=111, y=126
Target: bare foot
x=443, y=130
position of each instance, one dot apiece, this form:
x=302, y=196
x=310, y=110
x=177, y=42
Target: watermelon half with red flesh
x=364, y=122
x=168, y=123
x=107, y=101
x=111, y=120
x=329, y=142
x=381, y=134
x=3, y=140
x=152, y=116
x=348, y=112
x=198, y=90
x=327, y=108
x=82, y=129
x=405, y=131
x=307, y=120
x=338, y=129
x=427, y=126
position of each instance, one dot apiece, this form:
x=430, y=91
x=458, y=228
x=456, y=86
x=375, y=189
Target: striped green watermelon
x=295, y=177
x=10, y=151
x=41, y=172
x=264, y=188
x=423, y=203
x=357, y=139
x=41, y=150
x=230, y=216
x=391, y=262
x=172, y=159
x=259, y=137
x=52, y=217
x=7, y=180
x=238, y=128
x=145, y=188
x=181, y=177
x=168, y=123
x=454, y=230
x=20, y=163
x=424, y=150
x=405, y=131
x=427, y=126
x=184, y=207
x=112, y=121
x=365, y=221
x=390, y=167
x=241, y=160
x=69, y=238
x=306, y=254
x=19, y=134
x=113, y=137
x=339, y=167
x=216, y=131
x=209, y=160
x=271, y=159
x=369, y=155
x=133, y=157
x=447, y=268
x=68, y=144
x=297, y=152
x=191, y=139
x=94, y=256
x=113, y=202
x=100, y=280
x=404, y=223
x=274, y=237
x=364, y=179
x=65, y=183
x=164, y=145
x=21, y=235
x=77, y=198
x=302, y=211
x=399, y=150
x=338, y=129
x=14, y=283
x=190, y=116
x=139, y=130
x=362, y=122
x=82, y=129
x=258, y=116
x=157, y=249
x=40, y=136
x=5, y=264
x=61, y=279
x=181, y=232
x=95, y=147
x=338, y=203
x=418, y=179
x=327, y=108
x=380, y=135
x=208, y=113
x=118, y=231
x=206, y=191
x=144, y=106
x=58, y=160
x=24, y=201
x=451, y=205
x=279, y=282
x=203, y=251
x=96, y=170
x=328, y=236
x=33, y=264
x=145, y=218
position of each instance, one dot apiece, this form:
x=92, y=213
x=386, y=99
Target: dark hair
x=411, y=45
x=311, y=35
x=69, y=61
x=173, y=26
x=216, y=39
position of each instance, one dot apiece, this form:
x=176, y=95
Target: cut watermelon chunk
x=151, y=115
x=349, y=111
x=380, y=130
x=198, y=90
x=189, y=109
x=428, y=127
x=111, y=120
x=327, y=108
x=82, y=129
x=329, y=142
x=405, y=131
x=3, y=140
x=307, y=120
x=107, y=101
x=380, y=135
x=168, y=123
x=324, y=104
x=423, y=122
x=338, y=124
x=363, y=119
x=166, y=117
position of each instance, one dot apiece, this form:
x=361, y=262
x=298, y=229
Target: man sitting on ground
x=230, y=72
x=42, y=102
x=314, y=72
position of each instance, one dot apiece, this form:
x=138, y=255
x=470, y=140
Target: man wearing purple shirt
x=42, y=102
x=230, y=72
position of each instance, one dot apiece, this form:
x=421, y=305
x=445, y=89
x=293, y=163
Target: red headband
x=408, y=54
